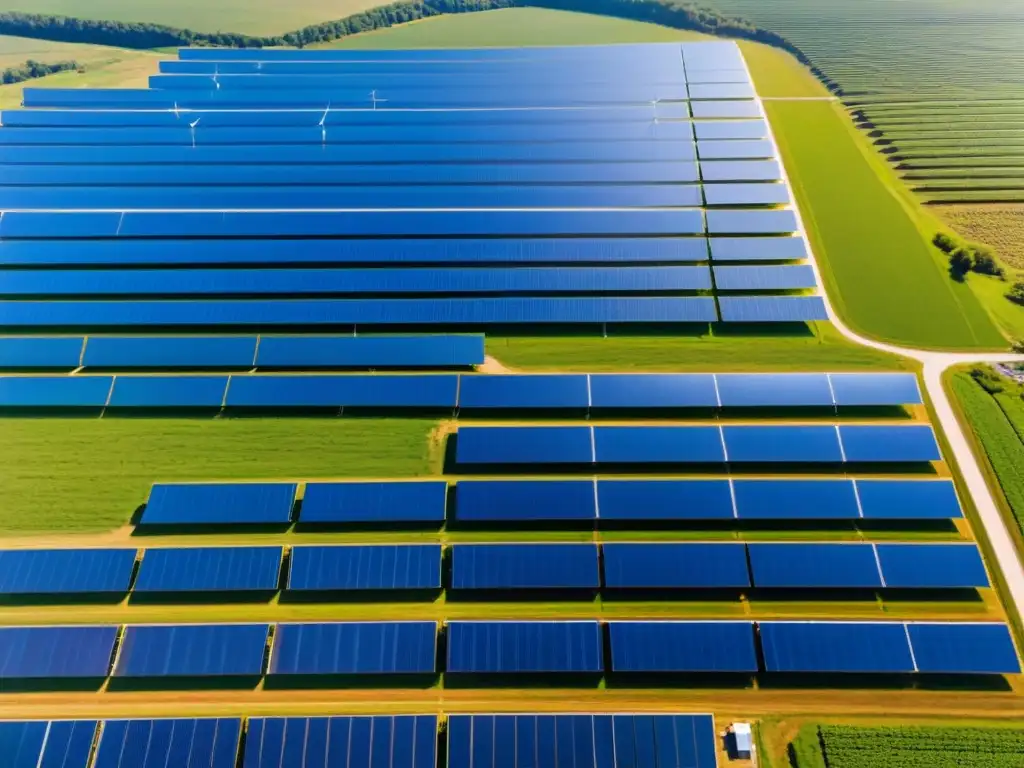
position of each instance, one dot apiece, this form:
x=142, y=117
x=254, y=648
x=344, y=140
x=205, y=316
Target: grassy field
x=254, y=17
x=1000, y=226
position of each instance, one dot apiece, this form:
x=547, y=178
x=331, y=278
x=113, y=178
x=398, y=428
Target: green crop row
x=921, y=747
x=973, y=196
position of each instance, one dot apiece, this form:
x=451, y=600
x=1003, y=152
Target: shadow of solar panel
x=370, y=567
x=192, y=650
x=525, y=566
x=65, y=571
x=209, y=569
x=652, y=390
x=658, y=445
x=556, y=647
x=795, y=499
x=524, y=500
x=374, y=502
x=54, y=391
x=168, y=392
x=354, y=648
x=940, y=566
x=750, y=222
x=55, y=652
x=758, y=248
x=28, y=352
x=735, y=149
x=122, y=353
x=524, y=445
x=675, y=566
x=682, y=646
x=219, y=504
x=781, y=277
x=500, y=392
x=833, y=646
x=158, y=743
x=871, y=389
x=740, y=170
x=796, y=565
x=772, y=309
x=433, y=392
x=908, y=499
x=869, y=443
x=370, y=352
x=664, y=500
x=47, y=744
x=978, y=649
x=767, y=193
x=400, y=741
x=762, y=390
x=783, y=444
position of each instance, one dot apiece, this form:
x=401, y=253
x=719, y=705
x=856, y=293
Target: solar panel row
x=207, y=742
x=42, y=744
x=747, y=444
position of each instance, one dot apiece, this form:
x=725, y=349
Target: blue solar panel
x=192, y=650
x=786, y=566
x=220, y=504
x=42, y=744
x=772, y=309
x=207, y=742
x=736, y=194
x=65, y=571
x=524, y=445
x=401, y=741
x=945, y=566
x=354, y=648
x=658, y=445
x=27, y=352
x=168, y=391
x=664, y=500
x=365, y=567
x=773, y=389
x=524, y=391
x=979, y=649
x=711, y=54
x=750, y=222
x=906, y=444
x=169, y=352
x=741, y=170
x=664, y=566
x=525, y=566
x=835, y=646
x=652, y=390
x=737, y=75
x=719, y=110
x=209, y=569
x=733, y=149
x=421, y=501
x=908, y=499
x=524, y=500
x=55, y=652
x=782, y=444
x=869, y=389
x=758, y=248
x=682, y=646
x=721, y=91
x=54, y=391
x=795, y=500
x=779, y=277
x=370, y=351
x=556, y=647
x=730, y=130
x=434, y=392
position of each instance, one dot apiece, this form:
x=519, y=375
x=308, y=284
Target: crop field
x=1001, y=227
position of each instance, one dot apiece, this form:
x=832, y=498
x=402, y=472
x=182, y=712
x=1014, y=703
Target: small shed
x=743, y=740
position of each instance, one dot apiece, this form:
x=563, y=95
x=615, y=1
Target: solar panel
x=652, y=390
x=664, y=500
x=55, y=652
x=945, y=566
x=796, y=565
x=743, y=221
x=735, y=149
x=28, y=352
x=209, y=569
x=781, y=277
x=515, y=391
x=772, y=309
x=745, y=130
x=721, y=90
x=675, y=566
x=209, y=742
x=737, y=75
x=370, y=351
x=192, y=650
x=420, y=501
x=47, y=744
x=219, y=504
x=524, y=445
x=875, y=389
x=739, y=390
x=54, y=391
x=555, y=647
x=354, y=648
x=711, y=54
x=168, y=392
x=782, y=444
x=795, y=499
x=525, y=566
x=737, y=194
x=524, y=500
x=65, y=571
x=719, y=110
x=399, y=741
x=908, y=499
x=371, y=391
x=365, y=567
x=741, y=170
x=914, y=443
x=977, y=649
x=662, y=445
x=125, y=352
x=758, y=248
x=682, y=646
x=834, y=646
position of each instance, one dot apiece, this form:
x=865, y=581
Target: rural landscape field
x=511, y=384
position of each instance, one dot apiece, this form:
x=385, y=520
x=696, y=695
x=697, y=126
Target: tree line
x=33, y=68
x=145, y=35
